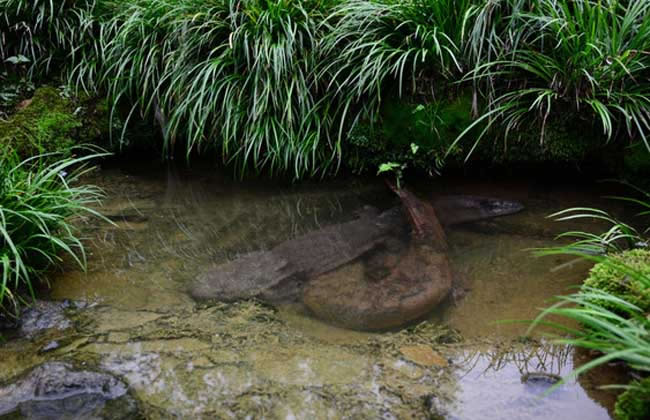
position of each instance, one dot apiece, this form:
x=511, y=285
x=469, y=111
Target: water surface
x=181, y=358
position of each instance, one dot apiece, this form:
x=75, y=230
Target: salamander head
x=466, y=208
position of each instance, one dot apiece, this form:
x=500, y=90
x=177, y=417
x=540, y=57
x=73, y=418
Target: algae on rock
x=243, y=359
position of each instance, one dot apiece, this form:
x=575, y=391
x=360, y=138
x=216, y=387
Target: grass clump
x=37, y=200
x=283, y=85
x=38, y=35
x=240, y=77
x=381, y=48
x=611, y=326
x=280, y=85
x=537, y=60
x=612, y=305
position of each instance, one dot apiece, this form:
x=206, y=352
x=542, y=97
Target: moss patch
x=605, y=277
x=636, y=163
x=560, y=143
x=52, y=121
x=432, y=127
x=634, y=404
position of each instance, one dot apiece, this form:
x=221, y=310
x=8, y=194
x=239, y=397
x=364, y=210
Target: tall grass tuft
x=38, y=35
x=540, y=60
x=610, y=325
x=237, y=76
x=37, y=200
x=414, y=45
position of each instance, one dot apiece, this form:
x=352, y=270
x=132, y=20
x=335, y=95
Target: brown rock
x=423, y=356
x=349, y=298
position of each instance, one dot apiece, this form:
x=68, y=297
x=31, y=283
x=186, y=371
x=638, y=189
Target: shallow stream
x=130, y=314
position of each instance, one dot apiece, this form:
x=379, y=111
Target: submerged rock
x=44, y=315
x=52, y=345
x=56, y=390
x=419, y=280
x=540, y=378
x=423, y=355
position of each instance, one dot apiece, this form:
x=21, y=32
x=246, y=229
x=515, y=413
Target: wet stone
x=57, y=390
x=423, y=356
x=44, y=315
x=52, y=345
x=419, y=279
x=540, y=378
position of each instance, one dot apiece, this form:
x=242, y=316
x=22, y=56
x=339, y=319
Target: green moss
x=432, y=127
x=634, y=404
x=562, y=142
x=52, y=122
x=636, y=163
x=607, y=278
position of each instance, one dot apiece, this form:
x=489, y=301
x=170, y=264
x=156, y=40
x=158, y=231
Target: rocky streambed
x=126, y=340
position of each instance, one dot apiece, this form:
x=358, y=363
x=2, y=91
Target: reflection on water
x=183, y=359
x=495, y=383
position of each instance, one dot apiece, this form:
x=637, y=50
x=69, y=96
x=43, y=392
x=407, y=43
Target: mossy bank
x=53, y=120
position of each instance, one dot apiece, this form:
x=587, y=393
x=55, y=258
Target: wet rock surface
x=56, y=390
x=225, y=360
x=44, y=315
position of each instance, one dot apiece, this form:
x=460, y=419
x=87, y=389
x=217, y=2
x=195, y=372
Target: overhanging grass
x=240, y=77
x=278, y=85
x=537, y=60
x=38, y=35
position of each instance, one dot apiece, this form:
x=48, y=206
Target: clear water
x=246, y=359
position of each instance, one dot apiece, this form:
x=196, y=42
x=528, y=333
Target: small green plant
x=38, y=198
x=397, y=168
